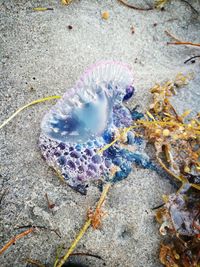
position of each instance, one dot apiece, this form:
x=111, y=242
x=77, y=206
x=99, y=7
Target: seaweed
x=176, y=141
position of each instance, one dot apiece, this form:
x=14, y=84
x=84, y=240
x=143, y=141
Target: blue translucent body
x=85, y=121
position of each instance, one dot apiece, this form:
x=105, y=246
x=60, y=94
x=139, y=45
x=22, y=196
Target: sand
x=41, y=56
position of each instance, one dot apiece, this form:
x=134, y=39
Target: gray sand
x=40, y=56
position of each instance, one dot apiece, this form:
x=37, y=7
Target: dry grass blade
x=178, y=41
x=135, y=7
x=66, y=2
x=83, y=229
x=15, y=238
x=160, y=3
x=183, y=43
x=26, y=106
x=35, y=262
x=42, y=8
x=192, y=59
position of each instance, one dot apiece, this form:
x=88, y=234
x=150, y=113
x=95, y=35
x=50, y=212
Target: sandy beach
x=42, y=56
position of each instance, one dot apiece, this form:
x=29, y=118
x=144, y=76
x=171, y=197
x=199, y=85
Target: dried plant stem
x=84, y=228
x=34, y=262
x=178, y=41
x=125, y=130
x=66, y=2
x=167, y=123
x=192, y=8
x=172, y=36
x=170, y=172
x=86, y=254
x=15, y=238
x=135, y=7
x=191, y=58
x=42, y=8
x=26, y=106
x=183, y=43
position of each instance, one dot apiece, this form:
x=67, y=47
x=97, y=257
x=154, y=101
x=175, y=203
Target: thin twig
x=172, y=36
x=56, y=231
x=26, y=106
x=84, y=228
x=35, y=262
x=135, y=7
x=183, y=43
x=158, y=207
x=86, y=254
x=192, y=8
x=178, y=41
x=50, y=205
x=15, y=238
x=191, y=58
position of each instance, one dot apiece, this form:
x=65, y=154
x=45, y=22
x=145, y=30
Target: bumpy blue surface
x=87, y=118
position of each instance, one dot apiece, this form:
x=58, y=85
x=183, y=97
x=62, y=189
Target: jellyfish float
x=86, y=119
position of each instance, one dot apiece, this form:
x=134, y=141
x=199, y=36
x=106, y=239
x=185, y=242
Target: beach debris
x=40, y=227
x=124, y=2
x=171, y=133
x=132, y=29
x=82, y=150
x=70, y=27
x=160, y=3
x=191, y=59
x=176, y=141
x=26, y=106
x=42, y=8
x=86, y=254
x=34, y=262
x=191, y=7
x=66, y=2
x=105, y=15
x=50, y=205
x=180, y=224
x=59, y=262
x=96, y=217
x=112, y=147
x=180, y=42
x=14, y=239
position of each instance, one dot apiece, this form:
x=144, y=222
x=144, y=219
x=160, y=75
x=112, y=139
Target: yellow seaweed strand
x=182, y=179
x=85, y=227
x=75, y=242
x=42, y=8
x=125, y=130
x=150, y=115
x=66, y=2
x=108, y=145
x=28, y=105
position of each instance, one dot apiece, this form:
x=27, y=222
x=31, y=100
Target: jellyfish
x=87, y=118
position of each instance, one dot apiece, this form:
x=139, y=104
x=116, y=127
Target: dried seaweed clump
x=175, y=139
x=177, y=143
x=180, y=223
x=160, y=3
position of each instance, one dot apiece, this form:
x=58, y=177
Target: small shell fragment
x=105, y=15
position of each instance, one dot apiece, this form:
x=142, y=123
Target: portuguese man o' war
x=86, y=119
